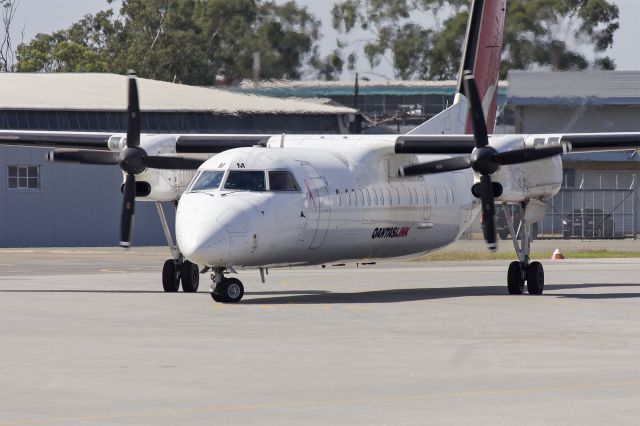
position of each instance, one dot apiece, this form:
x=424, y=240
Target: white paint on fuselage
x=346, y=195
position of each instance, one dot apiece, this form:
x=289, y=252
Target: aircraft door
x=317, y=203
x=424, y=197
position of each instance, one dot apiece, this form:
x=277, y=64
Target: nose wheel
x=225, y=290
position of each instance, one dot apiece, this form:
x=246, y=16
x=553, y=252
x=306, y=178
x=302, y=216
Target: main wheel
x=535, y=278
x=170, y=280
x=230, y=290
x=515, y=283
x=190, y=276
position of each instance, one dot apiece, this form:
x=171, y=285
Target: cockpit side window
x=282, y=181
x=245, y=180
x=207, y=180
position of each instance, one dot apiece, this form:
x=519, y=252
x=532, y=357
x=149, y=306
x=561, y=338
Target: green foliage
x=193, y=42
x=535, y=32
x=198, y=41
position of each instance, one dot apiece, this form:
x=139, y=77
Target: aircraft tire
x=535, y=278
x=515, y=283
x=190, y=276
x=230, y=290
x=170, y=283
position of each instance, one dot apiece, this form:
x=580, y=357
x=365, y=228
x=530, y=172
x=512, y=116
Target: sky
x=45, y=16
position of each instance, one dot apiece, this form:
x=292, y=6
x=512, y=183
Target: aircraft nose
x=203, y=226
x=204, y=246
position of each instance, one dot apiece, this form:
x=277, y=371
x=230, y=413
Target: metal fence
x=589, y=213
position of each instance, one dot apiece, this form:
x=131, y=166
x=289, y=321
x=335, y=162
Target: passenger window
x=338, y=197
x=368, y=195
x=346, y=191
x=355, y=198
x=206, y=180
x=282, y=181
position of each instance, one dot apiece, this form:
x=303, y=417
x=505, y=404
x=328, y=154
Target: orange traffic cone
x=557, y=255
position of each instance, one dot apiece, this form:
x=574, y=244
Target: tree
x=193, y=42
x=87, y=46
x=7, y=52
x=536, y=33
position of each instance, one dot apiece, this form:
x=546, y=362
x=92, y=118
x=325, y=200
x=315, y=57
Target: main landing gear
x=225, y=290
x=177, y=268
x=523, y=270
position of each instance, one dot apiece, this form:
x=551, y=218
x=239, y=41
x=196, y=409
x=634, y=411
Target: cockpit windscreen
x=245, y=180
x=207, y=179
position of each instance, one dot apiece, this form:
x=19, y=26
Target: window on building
x=23, y=177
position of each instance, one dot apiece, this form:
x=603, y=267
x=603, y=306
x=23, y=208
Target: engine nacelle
x=157, y=184
x=540, y=179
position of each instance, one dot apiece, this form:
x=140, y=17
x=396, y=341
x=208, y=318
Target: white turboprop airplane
x=264, y=201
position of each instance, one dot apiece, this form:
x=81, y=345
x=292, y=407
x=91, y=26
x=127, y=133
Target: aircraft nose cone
x=203, y=227
x=205, y=246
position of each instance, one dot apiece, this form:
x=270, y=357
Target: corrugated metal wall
x=76, y=205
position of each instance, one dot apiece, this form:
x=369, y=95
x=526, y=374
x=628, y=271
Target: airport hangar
x=66, y=205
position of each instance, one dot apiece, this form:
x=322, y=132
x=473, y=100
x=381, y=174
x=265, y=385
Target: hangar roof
x=306, y=88
x=106, y=92
x=574, y=87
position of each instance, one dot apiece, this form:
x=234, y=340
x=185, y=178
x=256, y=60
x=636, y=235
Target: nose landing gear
x=225, y=290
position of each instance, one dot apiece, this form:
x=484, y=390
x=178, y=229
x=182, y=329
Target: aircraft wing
x=38, y=139
x=464, y=144
x=185, y=143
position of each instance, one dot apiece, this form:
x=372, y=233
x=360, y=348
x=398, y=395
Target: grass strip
x=535, y=255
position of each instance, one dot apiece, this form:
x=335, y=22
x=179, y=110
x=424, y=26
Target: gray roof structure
x=574, y=87
x=107, y=92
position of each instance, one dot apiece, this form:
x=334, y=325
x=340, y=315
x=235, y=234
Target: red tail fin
x=482, y=54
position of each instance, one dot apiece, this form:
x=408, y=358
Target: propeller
x=133, y=160
x=484, y=160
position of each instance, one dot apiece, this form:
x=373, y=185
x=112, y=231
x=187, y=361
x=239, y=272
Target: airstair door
x=318, y=203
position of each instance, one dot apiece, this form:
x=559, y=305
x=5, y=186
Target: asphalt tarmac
x=87, y=337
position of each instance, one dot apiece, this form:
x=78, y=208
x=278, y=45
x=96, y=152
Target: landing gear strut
x=523, y=270
x=225, y=290
x=177, y=268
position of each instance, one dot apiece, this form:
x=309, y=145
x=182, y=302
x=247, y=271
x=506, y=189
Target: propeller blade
x=159, y=162
x=133, y=113
x=439, y=166
x=83, y=157
x=530, y=154
x=128, y=204
x=488, y=212
x=477, y=116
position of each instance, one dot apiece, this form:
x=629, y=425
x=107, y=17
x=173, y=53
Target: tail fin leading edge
x=482, y=50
